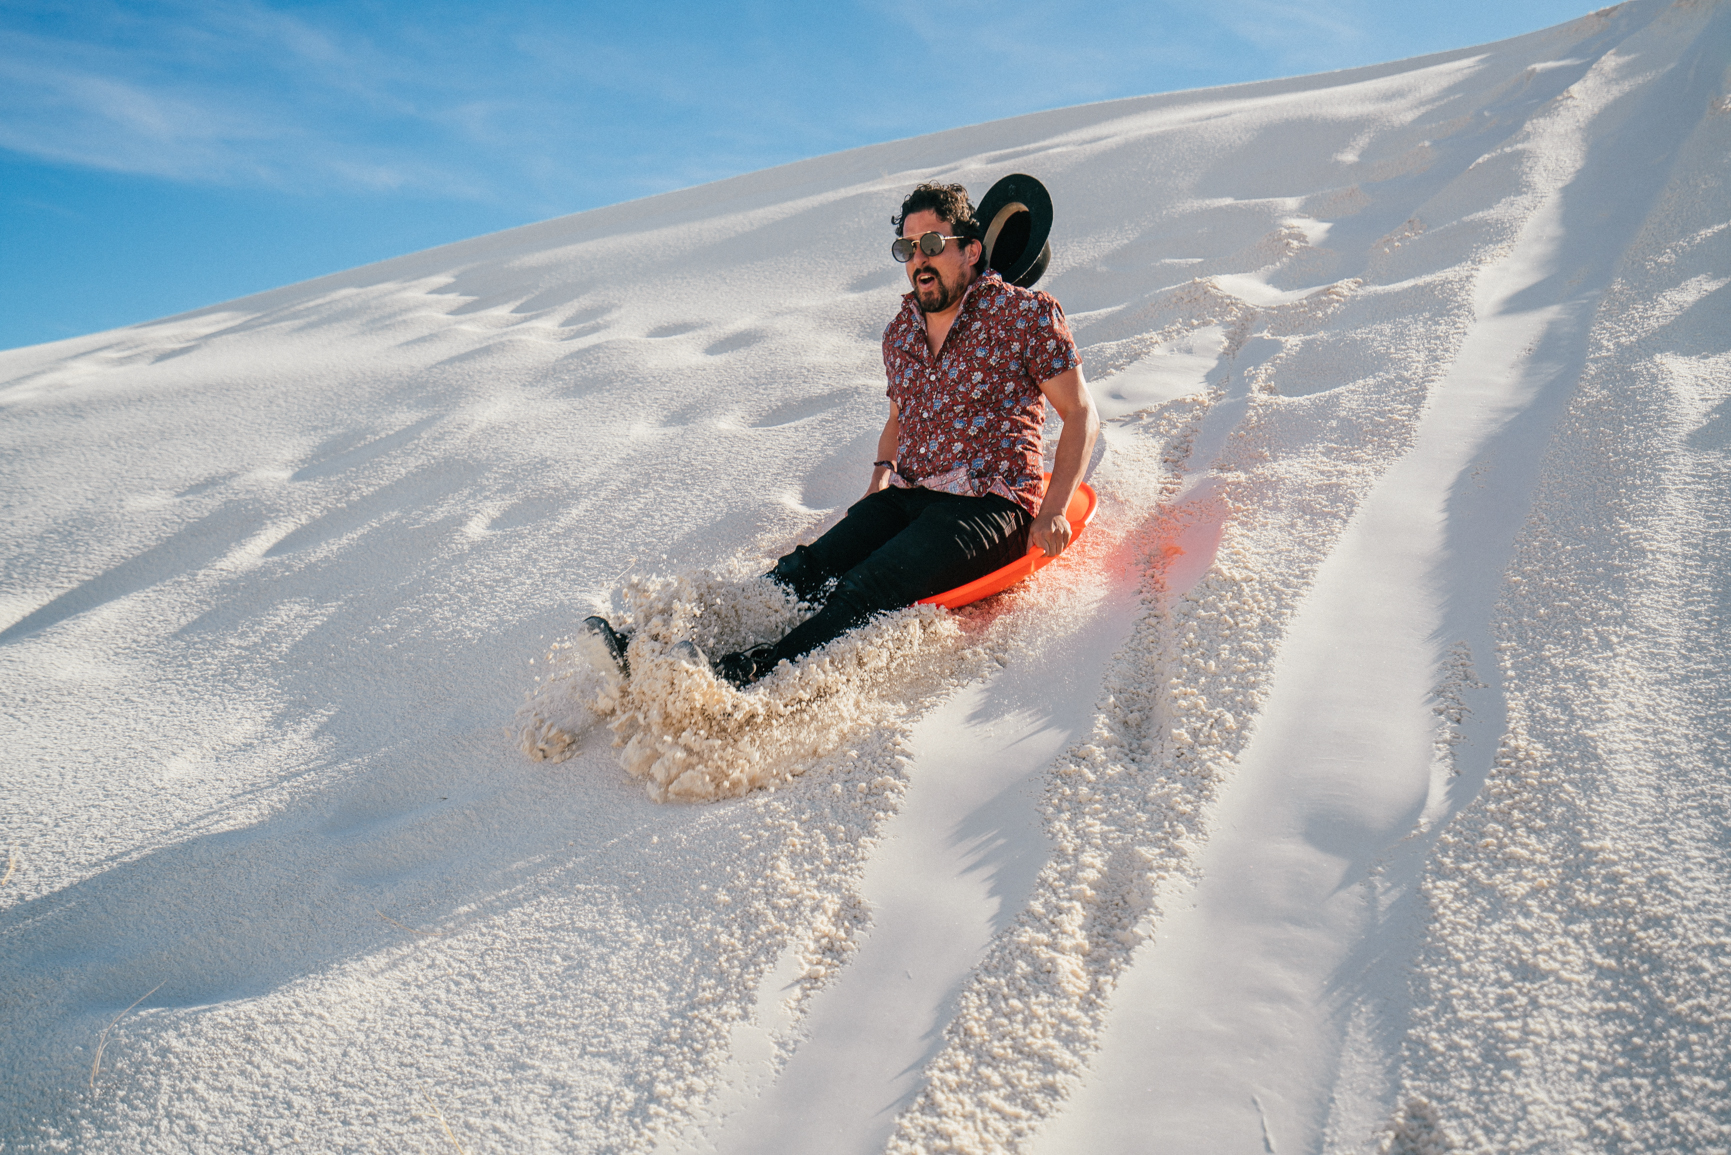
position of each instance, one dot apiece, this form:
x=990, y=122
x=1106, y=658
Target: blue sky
x=156, y=157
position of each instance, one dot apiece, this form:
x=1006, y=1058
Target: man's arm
x=887, y=441
x=1069, y=396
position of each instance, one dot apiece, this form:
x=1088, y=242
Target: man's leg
x=869, y=523
x=953, y=540
x=808, y=571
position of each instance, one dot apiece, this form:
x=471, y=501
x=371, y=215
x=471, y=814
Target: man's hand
x=1051, y=532
x=1069, y=396
x=880, y=480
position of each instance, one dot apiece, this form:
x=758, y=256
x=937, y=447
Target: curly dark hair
x=951, y=203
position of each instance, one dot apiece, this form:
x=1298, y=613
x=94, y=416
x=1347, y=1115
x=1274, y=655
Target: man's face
x=939, y=281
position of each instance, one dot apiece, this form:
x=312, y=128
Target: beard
x=939, y=295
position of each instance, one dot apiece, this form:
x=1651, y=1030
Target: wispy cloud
x=59, y=111
x=226, y=93
x=546, y=106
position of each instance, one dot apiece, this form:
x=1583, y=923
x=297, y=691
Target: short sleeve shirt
x=971, y=417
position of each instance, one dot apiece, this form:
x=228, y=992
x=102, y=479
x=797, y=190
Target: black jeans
x=893, y=548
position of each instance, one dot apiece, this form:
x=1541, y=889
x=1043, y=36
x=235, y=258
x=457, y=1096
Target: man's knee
x=873, y=588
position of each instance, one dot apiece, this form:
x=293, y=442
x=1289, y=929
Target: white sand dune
x=1357, y=784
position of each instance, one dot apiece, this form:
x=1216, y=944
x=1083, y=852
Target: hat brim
x=1017, y=217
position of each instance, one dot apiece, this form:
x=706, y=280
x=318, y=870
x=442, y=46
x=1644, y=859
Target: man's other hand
x=1051, y=533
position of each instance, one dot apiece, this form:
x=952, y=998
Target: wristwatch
x=889, y=465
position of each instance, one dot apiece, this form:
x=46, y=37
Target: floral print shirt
x=971, y=416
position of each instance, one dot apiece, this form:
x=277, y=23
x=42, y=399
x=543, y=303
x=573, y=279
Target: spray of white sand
x=693, y=736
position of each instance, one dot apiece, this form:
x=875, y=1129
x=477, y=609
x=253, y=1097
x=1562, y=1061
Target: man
x=956, y=491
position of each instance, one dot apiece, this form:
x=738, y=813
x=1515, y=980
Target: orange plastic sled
x=1079, y=514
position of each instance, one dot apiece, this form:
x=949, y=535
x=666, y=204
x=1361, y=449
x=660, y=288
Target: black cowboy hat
x=1017, y=218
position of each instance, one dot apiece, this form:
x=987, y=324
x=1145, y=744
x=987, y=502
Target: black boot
x=611, y=640
x=744, y=667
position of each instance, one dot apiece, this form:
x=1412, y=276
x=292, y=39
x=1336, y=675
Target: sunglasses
x=931, y=244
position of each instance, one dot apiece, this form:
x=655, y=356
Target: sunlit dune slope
x=1356, y=784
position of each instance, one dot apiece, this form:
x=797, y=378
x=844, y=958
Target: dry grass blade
x=440, y=1116
x=410, y=929
x=11, y=865
x=103, y=1040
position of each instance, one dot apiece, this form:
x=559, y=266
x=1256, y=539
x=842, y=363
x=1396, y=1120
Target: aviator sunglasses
x=931, y=244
